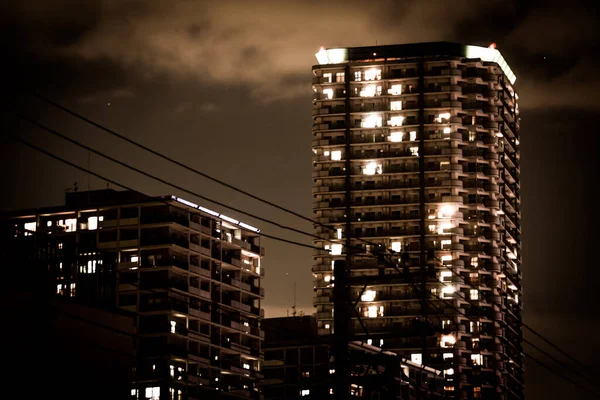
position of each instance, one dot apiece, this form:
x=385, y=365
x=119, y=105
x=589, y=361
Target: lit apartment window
x=30, y=226
x=444, y=165
x=327, y=326
x=447, y=292
x=449, y=372
x=443, y=116
x=476, y=392
x=368, y=295
x=396, y=120
x=416, y=358
x=395, y=90
x=372, y=121
x=340, y=77
x=336, y=249
x=327, y=77
x=397, y=246
x=396, y=137
x=447, y=341
x=339, y=233
x=372, y=168
x=446, y=323
x=474, y=293
x=474, y=262
x=447, y=356
x=372, y=74
x=153, y=393
x=336, y=155
x=445, y=276
x=477, y=359
x=472, y=136
x=306, y=374
x=446, y=243
x=370, y=91
x=447, y=130
x=414, y=150
x=396, y=105
x=358, y=76
x=372, y=311
x=328, y=92
x=72, y=291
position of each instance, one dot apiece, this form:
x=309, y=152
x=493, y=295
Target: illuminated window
x=327, y=326
x=396, y=137
x=327, y=278
x=331, y=371
x=370, y=91
x=306, y=374
x=372, y=311
x=477, y=359
x=326, y=153
x=92, y=223
x=173, y=324
x=339, y=233
x=30, y=226
x=444, y=227
x=153, y=393
x=396, y=105
x=447, y=341
x=447, y=130
x=476, y=392
x=246, y=366
x=72, y=292
x=446, y=323
x=447, y=292
x=336, y=249
x=372, y=168
x=59, y=288
x=417, y=358
x=447, y=356
x=336, y=155
x=372, y=74
x=445, y=276
x=328, y=92
x=449, y=372
x=304, y=392
x=432, y=228
x=372, y=121
x=327, y=77
x=474, y=326
x=397, y=246
x=444, y=165
x=369, y=341
x=134, y=259
x=472, y=136
x=474, y=262
x=412, y=136
x=474, y=294
x=340, y=77
x=380, y=342
x=368, y=295
x=395, y=90
x=446, y=243
x=358, y=76
x=443, y=116
x=396, y=120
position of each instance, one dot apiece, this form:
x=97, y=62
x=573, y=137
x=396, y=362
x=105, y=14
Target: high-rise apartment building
x=190, y=276
x=416, y=150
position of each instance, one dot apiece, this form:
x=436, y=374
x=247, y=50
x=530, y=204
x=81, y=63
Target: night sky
x=225, y=87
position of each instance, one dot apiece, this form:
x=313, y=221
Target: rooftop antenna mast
x=294, y=306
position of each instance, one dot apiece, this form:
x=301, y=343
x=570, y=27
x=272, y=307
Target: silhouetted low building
x=299, y=363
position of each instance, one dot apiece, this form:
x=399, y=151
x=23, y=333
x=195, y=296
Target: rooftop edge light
x=489, y=54
x=216, y=214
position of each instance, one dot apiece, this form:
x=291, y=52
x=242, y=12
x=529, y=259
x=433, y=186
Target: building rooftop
x=110, y=197
x=413, y=50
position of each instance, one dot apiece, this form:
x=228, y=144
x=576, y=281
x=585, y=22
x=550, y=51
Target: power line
x=49, y=154
x=178, y=163
x=195, y=194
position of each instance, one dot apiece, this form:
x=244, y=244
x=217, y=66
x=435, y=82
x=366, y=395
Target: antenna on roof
x=294, y=306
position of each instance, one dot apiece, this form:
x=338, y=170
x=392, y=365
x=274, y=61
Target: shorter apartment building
x=299, y=364
x=190, y=276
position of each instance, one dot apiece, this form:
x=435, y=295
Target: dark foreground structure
x=188, y=277
x=299, y=364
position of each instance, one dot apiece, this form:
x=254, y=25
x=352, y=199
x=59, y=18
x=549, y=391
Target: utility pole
x=341, y=336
